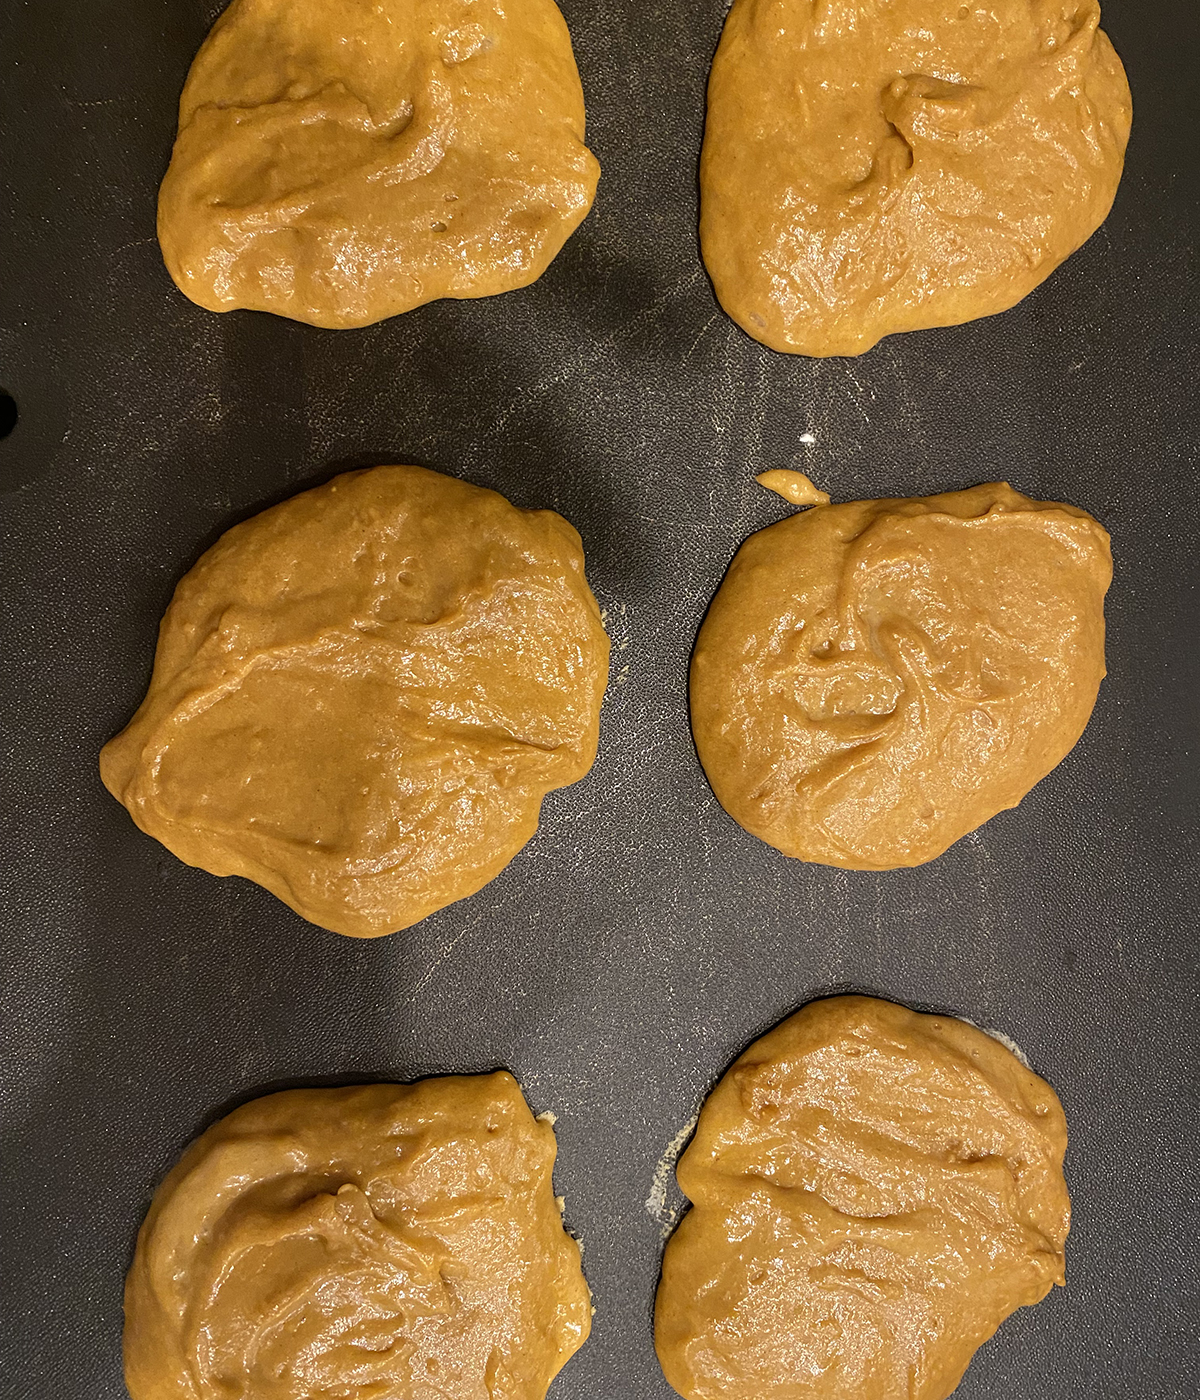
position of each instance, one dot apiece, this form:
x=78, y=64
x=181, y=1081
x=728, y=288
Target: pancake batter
x=875, y=680
x=872, y=167
x=340, y=162
x=874, y=1191
x=393, y=1241
x=361, y=696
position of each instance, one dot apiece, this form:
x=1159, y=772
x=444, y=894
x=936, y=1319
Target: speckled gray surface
x=642, y=939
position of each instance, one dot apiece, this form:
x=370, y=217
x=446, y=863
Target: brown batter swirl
x=386, y=1242
x=875, y=680
x=874, y=1192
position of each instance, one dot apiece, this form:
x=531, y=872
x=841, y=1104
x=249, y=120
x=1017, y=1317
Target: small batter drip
x=794, y=487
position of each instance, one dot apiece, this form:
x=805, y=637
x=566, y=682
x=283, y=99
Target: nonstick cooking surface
x=642, y=939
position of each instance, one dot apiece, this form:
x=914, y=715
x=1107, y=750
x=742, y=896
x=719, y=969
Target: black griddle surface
x=642, y=939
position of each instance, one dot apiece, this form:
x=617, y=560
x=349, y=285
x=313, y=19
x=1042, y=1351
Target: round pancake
x=340, y=162
x=872, y=167
x=877, y=679
x=387, y=1240
x=874, y=1191
x=361, y=696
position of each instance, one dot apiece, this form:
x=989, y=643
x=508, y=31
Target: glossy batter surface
x=874, y=1191
x=396, y=1242
x=339, y=162
x=361, y=696
x=875, y=680
x=873, y=166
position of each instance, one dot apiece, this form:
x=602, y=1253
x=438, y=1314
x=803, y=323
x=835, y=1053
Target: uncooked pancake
x=340, y=162
x=875, y=680
x=874, y=1191
x=395, y=1241
x=361, y=696
x=871, y=166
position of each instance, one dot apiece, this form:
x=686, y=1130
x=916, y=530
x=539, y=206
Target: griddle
x=642, y=940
